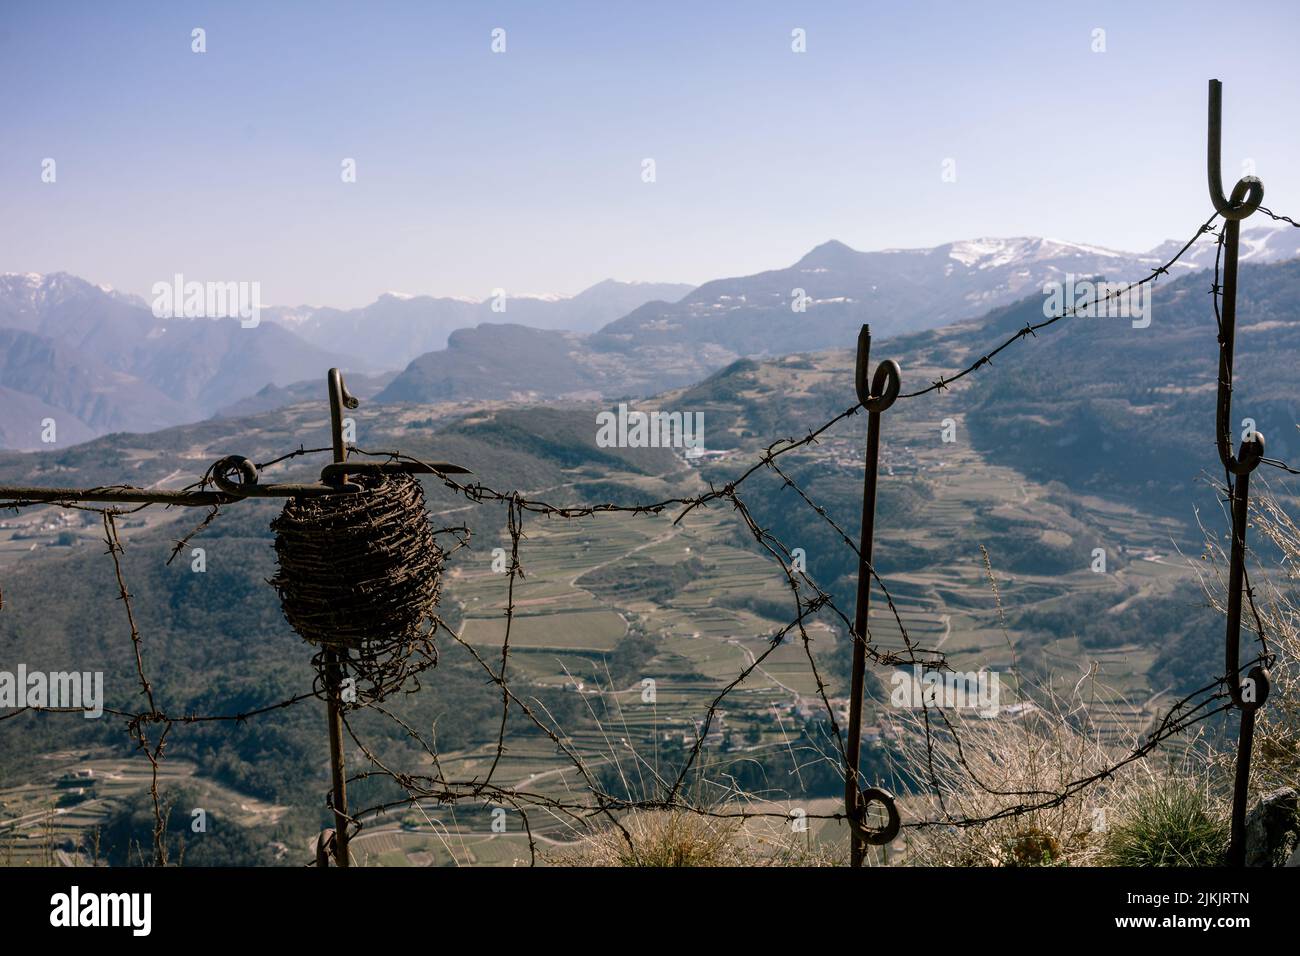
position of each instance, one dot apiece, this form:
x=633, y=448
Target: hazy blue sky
x=522, y=170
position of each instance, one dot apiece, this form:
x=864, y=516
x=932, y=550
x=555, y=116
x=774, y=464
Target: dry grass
x=977, y=768
x=1169, y=809
x=1274, y=535
x=1003, y=764
x=672, y=838
x=1276, y=761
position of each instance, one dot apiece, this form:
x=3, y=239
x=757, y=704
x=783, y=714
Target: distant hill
x=896, y=290
x=364, y=387
x=102, y=362
x=105, y=362
x=96, y=360
x=82, y=394
x=514, y=362
x=396, y=328
x=664, y=344
x=1102, y=406
x=22, y=424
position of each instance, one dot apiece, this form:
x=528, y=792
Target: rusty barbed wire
x=1277, y=218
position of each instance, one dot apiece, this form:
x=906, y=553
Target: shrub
x=1171, y=823
x=662, y=839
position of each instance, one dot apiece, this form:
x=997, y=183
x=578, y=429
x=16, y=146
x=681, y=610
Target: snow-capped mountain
x=819, y=301
x=1275, y=242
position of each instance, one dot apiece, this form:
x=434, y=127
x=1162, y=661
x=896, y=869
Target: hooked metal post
x=1248, y=695
x=340, y=398
x=875, y=398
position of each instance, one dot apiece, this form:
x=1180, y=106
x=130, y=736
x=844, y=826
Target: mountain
x=396, y=328
x=23, y=422
x=663, y=345
x=386, y=334
x=208, y=363
x=1132, y=410
x=606, y=301
x=539, y=347
x=362, y=386
x=513, y=362
x=92, y=319
x=99, y=361
x=896, y=290
x=80, y=392
x=1259, y=245
x=1093, y=434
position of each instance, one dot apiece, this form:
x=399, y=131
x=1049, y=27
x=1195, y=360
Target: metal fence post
x=877, y=397
x=333, y=670
x=1245, y=199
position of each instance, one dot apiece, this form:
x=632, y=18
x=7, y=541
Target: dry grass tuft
x=672, y=838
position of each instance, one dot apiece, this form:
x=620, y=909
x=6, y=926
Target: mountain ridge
x=664, y=345
x=188, y=369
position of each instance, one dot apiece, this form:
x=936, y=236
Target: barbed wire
x=1274, y=216
x=151, y=726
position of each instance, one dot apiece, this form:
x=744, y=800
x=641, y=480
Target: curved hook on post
x=226, y=469
x=1246, y=196
x=340, y=398
x=885, y=384
x=1249, y=191
x=1252, y=449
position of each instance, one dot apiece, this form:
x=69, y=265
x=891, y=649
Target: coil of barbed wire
x=360, y=574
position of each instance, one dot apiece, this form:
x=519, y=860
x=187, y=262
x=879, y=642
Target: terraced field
x=55, y=819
